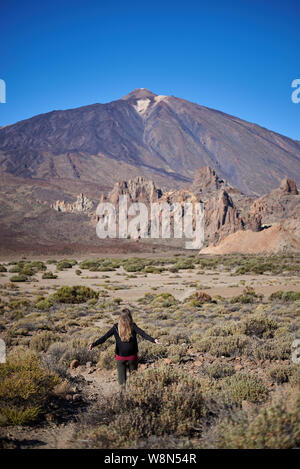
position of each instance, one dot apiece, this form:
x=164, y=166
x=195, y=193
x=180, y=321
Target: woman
x=125, y=332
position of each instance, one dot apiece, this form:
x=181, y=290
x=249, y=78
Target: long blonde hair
x=125, y=325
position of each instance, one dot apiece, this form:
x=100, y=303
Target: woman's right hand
x=90, y=347
x=157, y=342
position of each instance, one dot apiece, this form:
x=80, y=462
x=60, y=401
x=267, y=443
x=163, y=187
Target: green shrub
x=15, y=269
x=44, y=303
x=75, y=294
x=92, y=301
x=37, y=266
x=164, y=300
x=153, y=270
x=136, y=266
x=183, y=264
x=27, y=270
x=19, y=415
x=65, y=264
x=285, y=296
x=19, y=278
x=2, y=268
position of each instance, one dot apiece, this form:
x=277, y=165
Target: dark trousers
x=122, y=366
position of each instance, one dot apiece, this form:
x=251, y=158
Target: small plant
x=220, y=370
x=49, y=276
x=243, y=386
x=43, y=303
x=42, y=341
x=65, y=264
x=248, y=296
x=199, y=298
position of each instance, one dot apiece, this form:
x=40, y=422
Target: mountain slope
x=161, y=137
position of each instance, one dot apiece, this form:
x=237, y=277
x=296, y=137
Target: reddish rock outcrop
x=279, y=204
x=288, y=186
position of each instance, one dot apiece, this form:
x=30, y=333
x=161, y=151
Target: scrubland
x=225, y=374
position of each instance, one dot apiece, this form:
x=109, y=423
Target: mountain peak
x=139, y=93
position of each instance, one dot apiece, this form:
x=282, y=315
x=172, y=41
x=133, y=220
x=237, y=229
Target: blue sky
x=236, y=56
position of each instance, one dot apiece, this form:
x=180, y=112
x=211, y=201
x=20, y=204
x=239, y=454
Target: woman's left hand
x=157, y=342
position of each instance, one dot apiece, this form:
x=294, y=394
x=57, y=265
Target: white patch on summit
x=159, y=98
x=141, y=105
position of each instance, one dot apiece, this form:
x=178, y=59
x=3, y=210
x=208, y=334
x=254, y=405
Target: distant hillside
x=160, y=137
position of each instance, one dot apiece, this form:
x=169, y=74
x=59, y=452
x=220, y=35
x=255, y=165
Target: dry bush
x=25, y=388
x=246, y=387
x=224, y=346
x=260, y=326
x=275, y=425
x=42, y=341
x=284, y=373
x=220, y=370
x=158, y=402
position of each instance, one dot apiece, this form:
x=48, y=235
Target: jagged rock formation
x=137, y=190
x=221, y=216
x=276, y=219
x=288, y=186
x=207, y=181
x=82, y=204
x=229, y=216
x=279, y=204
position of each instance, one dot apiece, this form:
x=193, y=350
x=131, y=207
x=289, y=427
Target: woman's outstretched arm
x=144, y=334
x=103, y=338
